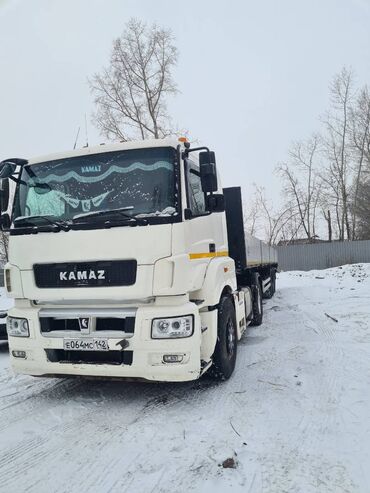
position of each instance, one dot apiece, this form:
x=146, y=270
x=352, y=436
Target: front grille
x=86, y=274
x=124, y=324
x=90, y=357
x=49, y=324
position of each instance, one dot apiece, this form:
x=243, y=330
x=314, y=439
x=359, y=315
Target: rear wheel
x=271, y=290
x=273, y=281
x=257, y=301
x=224, y=357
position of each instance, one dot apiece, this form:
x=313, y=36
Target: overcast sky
x=253, y=75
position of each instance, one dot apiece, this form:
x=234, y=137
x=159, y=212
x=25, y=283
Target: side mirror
x=7, y=169
x=208, y=173
x=215, y=202
x=4, y=204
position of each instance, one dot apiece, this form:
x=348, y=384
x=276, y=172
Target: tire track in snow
x=91, y=423
x=283, y=463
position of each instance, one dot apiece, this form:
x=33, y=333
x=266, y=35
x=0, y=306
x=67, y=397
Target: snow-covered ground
x=295, y=416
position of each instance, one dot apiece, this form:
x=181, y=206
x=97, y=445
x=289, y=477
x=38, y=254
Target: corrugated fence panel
x=323, y=255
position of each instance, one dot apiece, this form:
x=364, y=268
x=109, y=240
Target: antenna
x=87, y=138
x=78, y=133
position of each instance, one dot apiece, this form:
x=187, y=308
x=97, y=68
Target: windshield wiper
x=111, y=212
x=62, y=225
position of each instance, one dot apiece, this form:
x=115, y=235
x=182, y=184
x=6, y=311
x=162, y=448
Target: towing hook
x=124, y=344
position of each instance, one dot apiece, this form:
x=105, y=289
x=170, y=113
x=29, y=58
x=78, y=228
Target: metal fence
x=323, y=255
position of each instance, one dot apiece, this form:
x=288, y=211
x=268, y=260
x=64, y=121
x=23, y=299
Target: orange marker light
x=183, y=139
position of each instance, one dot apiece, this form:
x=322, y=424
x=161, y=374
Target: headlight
x=172, y=328
x=17, y=327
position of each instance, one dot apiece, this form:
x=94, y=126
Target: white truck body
x=180, y=268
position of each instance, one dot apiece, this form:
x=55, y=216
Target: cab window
x=196, y=196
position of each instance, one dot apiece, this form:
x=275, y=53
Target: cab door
x=204, y=232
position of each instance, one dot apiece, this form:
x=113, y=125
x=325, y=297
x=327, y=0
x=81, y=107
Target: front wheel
x=224, y=357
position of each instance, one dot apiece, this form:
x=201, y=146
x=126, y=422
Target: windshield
x=141, y=181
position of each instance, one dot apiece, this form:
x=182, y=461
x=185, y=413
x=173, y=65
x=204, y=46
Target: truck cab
x=119, y=263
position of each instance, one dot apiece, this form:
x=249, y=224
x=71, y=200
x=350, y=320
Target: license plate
x=85, y=345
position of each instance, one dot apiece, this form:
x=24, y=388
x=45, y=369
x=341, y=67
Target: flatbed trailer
x=251, y=255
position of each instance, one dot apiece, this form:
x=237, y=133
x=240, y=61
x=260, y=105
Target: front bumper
x=145, y=361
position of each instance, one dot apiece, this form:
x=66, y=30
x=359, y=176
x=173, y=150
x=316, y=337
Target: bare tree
x=327, y=216
x=262, y=219
x=328, y=174
x=362, y=210
x=130, y=95
x=338, y=150
x=302, y=185
x=329, y=203
x=361, y=145
x=252, y=213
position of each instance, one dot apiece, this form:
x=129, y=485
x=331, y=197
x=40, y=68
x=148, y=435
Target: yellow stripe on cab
x=194, y=256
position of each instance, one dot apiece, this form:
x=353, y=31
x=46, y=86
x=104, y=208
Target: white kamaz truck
x=129, y=260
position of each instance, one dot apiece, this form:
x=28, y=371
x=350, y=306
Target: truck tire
x=224, y=357
x=257, y=306
x=271, y=290
x=273, y=281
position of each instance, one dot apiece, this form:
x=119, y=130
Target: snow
x=294, y=416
